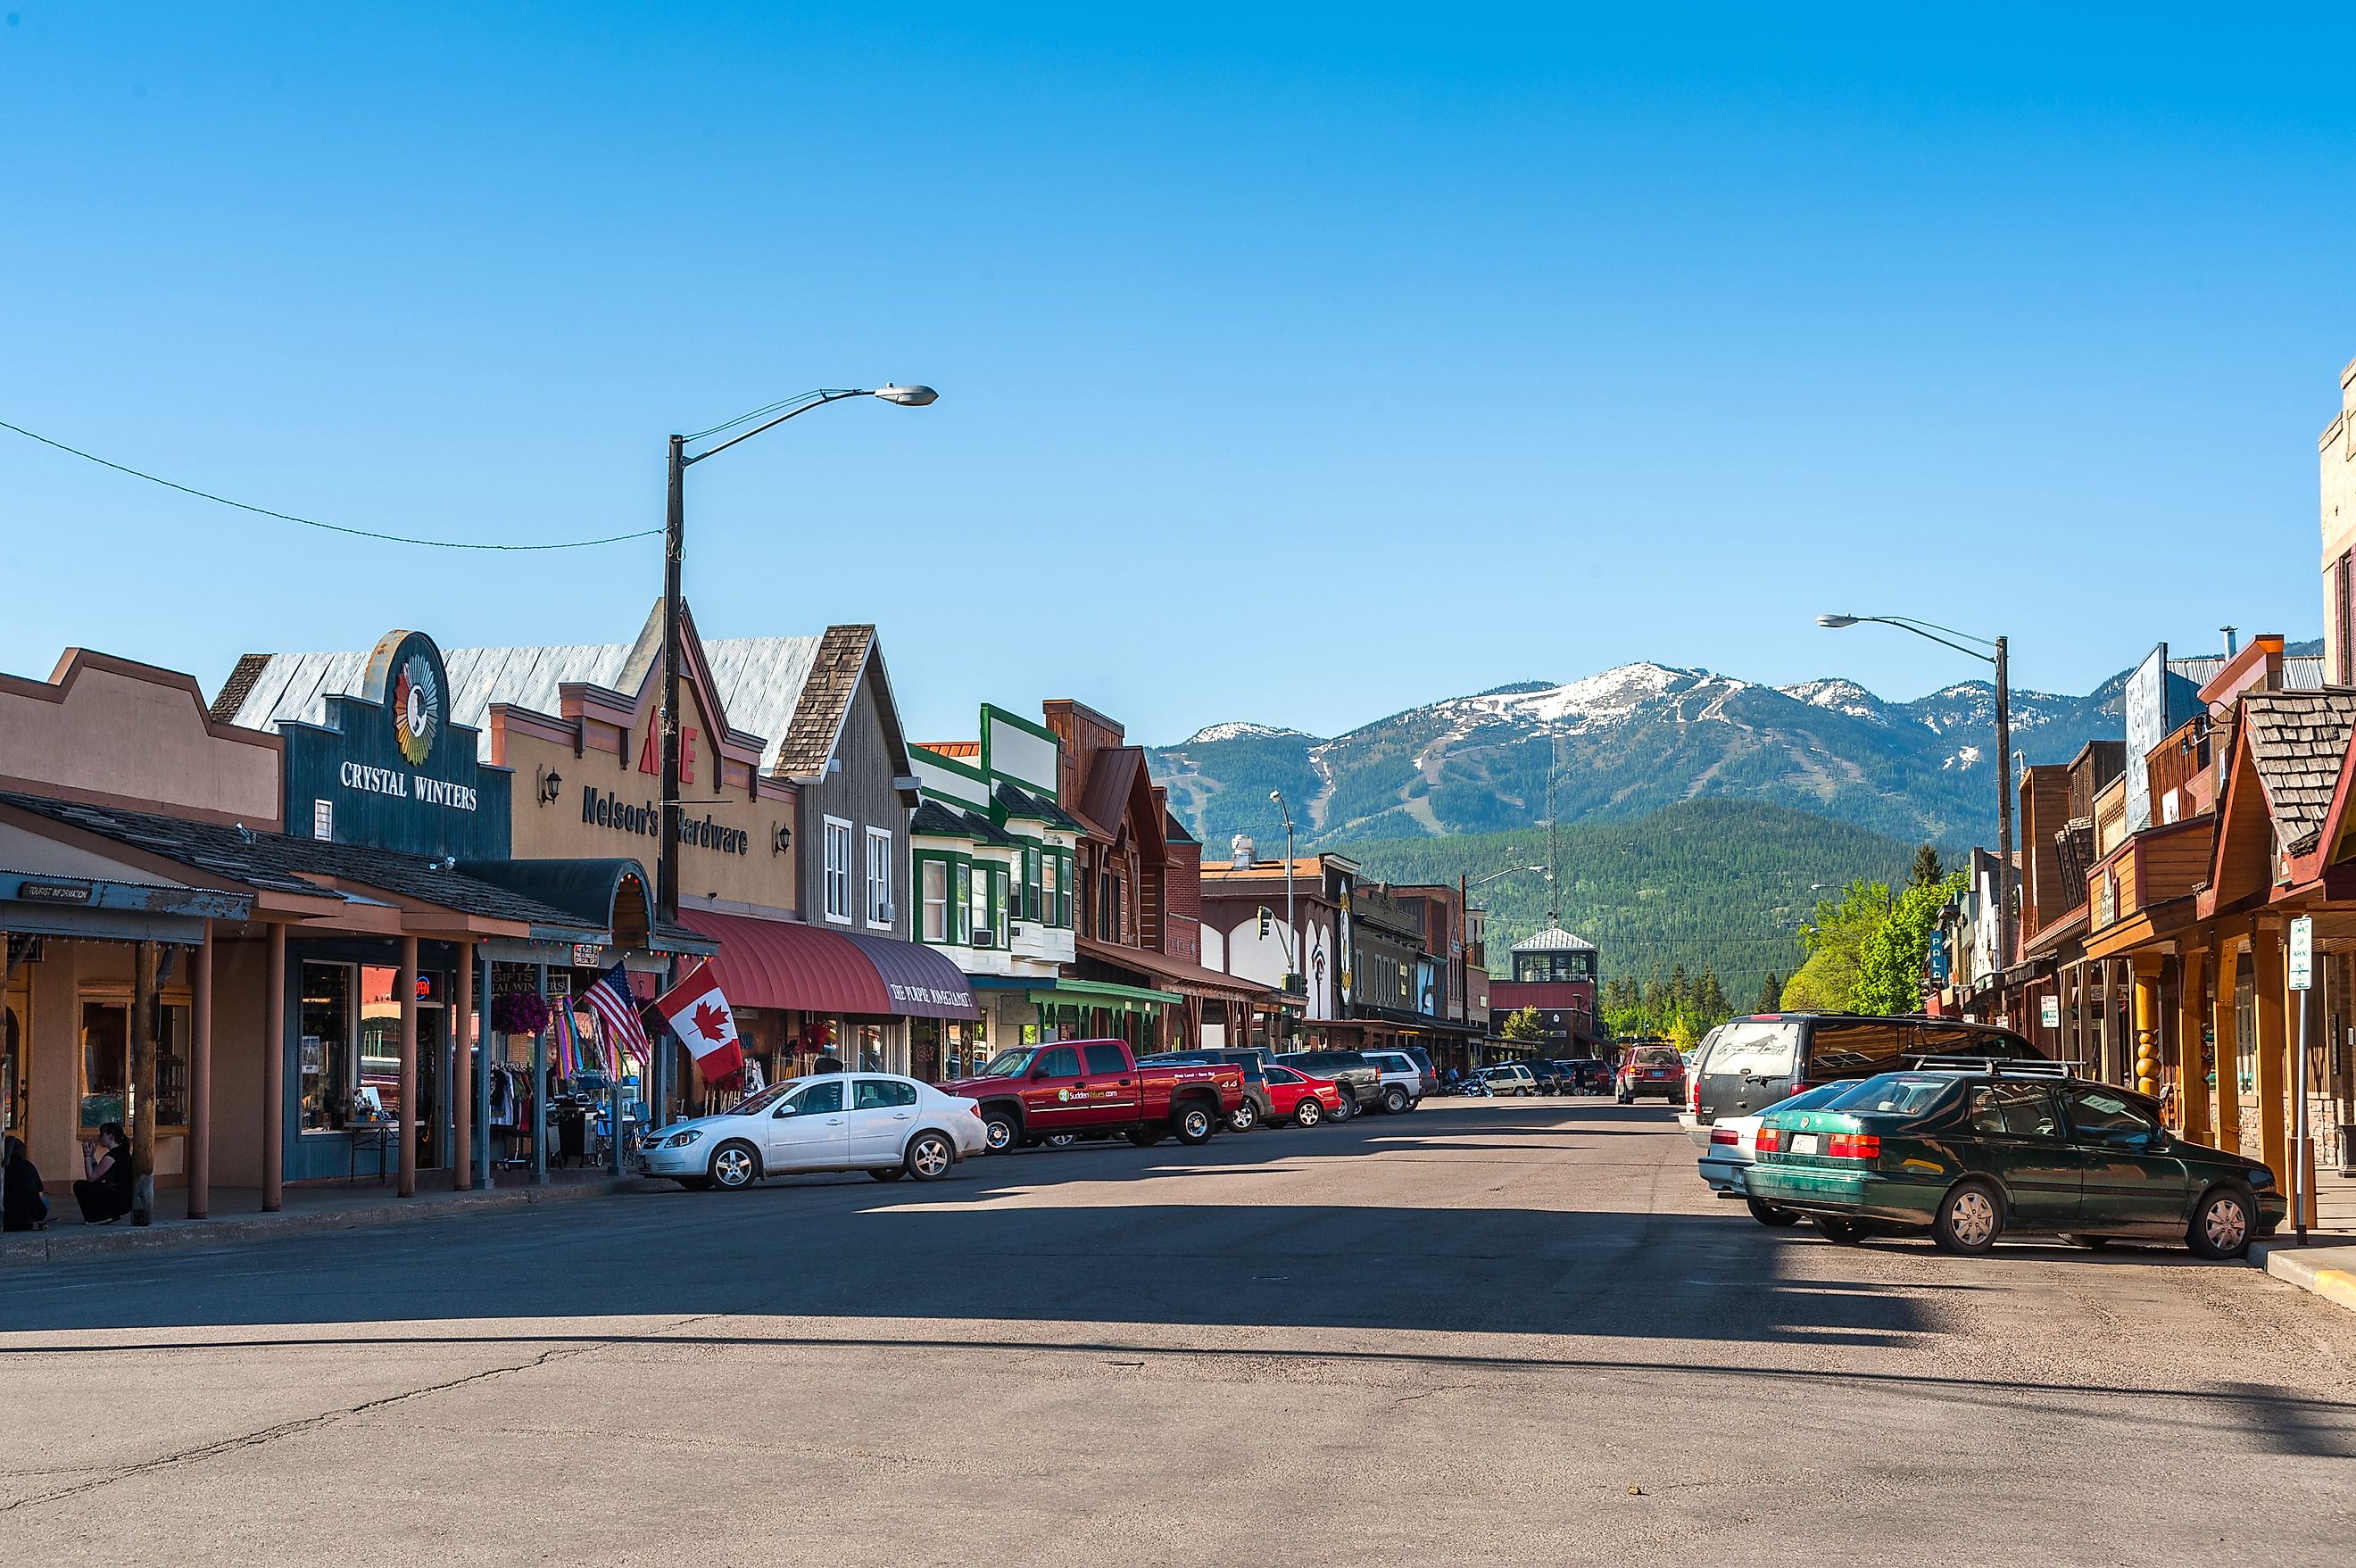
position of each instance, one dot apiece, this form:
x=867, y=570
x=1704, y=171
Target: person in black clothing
x=106, y=1196
x=22, y=1206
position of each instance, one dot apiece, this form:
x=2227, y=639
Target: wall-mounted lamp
x=551, y=781
x=781, y=839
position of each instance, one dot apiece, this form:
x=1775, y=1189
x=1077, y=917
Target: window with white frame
x=1048, y=886
x=978, y=906
x=960, y=903
x=838, y=869
x=879, y=876
x=937, y=900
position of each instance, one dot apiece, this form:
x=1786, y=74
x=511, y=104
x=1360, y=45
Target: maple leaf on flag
x=712, y=1022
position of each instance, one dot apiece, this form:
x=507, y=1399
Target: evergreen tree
x=1928, y=871
x=1710, y=1005
x=1770, y=994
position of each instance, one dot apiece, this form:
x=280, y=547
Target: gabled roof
x=1554, y=939
x=1018, y=802
x=799, y=691
x=2297, y=741
x=1120, y=782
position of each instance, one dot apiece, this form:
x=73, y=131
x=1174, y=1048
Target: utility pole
x=2006, y=913
x=667, y=849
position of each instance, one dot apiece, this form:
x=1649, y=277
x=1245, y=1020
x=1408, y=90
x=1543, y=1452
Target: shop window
x=838, y=870
x=1063, y=911
x=961, y=903
x=1047, y=883
x=998, y=914
x=976, y=907
x=935, y=900
x=324, y=1067
x=12, y=1069
x=1030, y=885
x=879, y=876
x=106, y=1086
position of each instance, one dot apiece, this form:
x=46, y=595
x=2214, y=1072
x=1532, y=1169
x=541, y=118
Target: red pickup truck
x=1032, y=1092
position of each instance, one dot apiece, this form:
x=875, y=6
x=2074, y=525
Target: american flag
x=618, y=1011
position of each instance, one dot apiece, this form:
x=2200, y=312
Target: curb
x=59, y=1246
x=2327, y=1271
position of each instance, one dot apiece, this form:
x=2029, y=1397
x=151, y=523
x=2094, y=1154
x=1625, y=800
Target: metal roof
x=1554, y=939
x=760, y=681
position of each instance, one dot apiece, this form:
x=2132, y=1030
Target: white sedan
x=884, y=1126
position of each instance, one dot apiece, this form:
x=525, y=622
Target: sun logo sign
x=416, y=708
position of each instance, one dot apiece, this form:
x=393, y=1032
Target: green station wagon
x=1966, y=1153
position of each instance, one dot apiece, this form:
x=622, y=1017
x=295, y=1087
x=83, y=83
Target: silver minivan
x=1752, y=1063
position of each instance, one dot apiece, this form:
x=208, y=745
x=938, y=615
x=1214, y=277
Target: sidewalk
x=237, y=1213
x=2327, y=1264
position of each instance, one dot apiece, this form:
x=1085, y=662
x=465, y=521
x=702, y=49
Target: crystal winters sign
x=388, y=769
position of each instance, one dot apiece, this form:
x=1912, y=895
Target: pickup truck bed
x=1034, y=1092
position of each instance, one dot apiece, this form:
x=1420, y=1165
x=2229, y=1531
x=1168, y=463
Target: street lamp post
x=1291, y=933
x=674, y=543
x=1999, y=657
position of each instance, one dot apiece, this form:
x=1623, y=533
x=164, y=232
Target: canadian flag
x=700, y=1016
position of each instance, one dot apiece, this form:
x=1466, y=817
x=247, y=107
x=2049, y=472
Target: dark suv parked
x=1253, y=1112
x=1360, y=1080
x=1754, y=1062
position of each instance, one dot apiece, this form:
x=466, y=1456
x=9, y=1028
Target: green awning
x=1101, y=993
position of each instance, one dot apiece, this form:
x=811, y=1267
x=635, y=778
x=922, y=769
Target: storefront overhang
x=810, y=969
x=1174, y=973
x=611, y=894
x=1082, y=993
x=45, y=905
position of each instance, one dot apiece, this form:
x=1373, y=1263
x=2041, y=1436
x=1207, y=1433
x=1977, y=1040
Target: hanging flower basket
x=519, y=1013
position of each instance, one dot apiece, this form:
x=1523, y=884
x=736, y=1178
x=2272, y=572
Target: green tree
x=1835, y=940
x=1522, y=1023
x=1770, y=994
x=1710, y=1005
x=1890, y=963
x=1928, y=871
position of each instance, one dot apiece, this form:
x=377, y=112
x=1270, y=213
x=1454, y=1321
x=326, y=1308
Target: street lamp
x=674, y=535
x=1933, y=630
x=1292, y=932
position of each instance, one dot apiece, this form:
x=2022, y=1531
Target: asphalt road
x=1487, y=1332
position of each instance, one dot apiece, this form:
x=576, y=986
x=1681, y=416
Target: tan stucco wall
x=2336, y=454
x=137, y=741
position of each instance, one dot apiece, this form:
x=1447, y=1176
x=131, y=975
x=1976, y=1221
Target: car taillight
x=1853, y=1147
x=1769, y=1141
x=973, y=1109
x=1724, y=1135
x=1799, y=1088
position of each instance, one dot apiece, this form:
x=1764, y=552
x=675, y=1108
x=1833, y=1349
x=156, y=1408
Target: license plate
x=1656, y=1073
x=1804, y=1143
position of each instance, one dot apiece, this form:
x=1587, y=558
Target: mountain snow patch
x=1237, y=731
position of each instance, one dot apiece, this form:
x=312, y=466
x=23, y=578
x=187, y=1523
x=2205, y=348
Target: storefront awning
x=1068, y=993
x=1175, y=973
x=810, y=969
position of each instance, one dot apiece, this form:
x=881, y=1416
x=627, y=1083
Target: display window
x=106, y=1088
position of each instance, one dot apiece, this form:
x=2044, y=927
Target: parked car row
x=1973, y=1135
x=1054, y=1094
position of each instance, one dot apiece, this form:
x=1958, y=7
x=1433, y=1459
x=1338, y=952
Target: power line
x=314, y=523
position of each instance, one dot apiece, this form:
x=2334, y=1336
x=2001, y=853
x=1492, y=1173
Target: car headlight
x=681, y=1140
x=2262, y=1177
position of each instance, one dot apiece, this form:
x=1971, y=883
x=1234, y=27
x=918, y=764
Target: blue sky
x=1297, y=367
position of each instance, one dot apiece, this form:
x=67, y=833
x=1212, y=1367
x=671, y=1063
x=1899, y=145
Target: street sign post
x=2302, y=980
x=2049, y=1009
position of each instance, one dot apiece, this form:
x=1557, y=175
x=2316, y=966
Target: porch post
x=2225, y=1029
x=405, y=982
x=200, y=1083
x=462, y=1075
x=2147, y=1023
x=274, y=1073
x=142, y=1085
x=2273, y=1105
x=540, y=1095
x=483, y=1069
x=2192, y=1068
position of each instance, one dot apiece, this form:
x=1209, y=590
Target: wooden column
x=2147, y=967
x=406, y=985
x=273, y=1074
x=2224, y=1027
x=462, y=1074
x=200, y=1083
x=142, y=1084
x=2191, y=1064
x=2274, y=1050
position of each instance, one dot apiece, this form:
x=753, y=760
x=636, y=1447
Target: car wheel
x=1308, y=1113
x=889, y=1173
x=2092, y=1243
x=1060, y=1140
x=1971, y=1217
x=1194, y=1125
x=1627, y=1099
x=1848, y=1233
x=1001, y=1131
x=1243, y=1118
x=1394, y=1100
x=1145, y=1137
x=735, y=1166
x=2220, y=1225
x=1768, y=1215
x=931, y=1157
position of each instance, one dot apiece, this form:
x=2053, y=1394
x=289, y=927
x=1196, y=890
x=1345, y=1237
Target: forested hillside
x=1718, y=884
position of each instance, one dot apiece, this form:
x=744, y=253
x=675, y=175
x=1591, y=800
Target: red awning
x=777, y=963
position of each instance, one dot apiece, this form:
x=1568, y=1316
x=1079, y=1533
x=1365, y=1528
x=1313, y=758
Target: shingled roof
x=2297, y=741
x=280, y=863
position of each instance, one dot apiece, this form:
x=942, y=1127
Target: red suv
x=1650, y=1070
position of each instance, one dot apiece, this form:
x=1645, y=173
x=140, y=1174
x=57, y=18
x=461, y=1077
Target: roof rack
x=1994, y=1067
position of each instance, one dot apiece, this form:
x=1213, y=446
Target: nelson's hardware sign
x=388, y=769
x=602, y=808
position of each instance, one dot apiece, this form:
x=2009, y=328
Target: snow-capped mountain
x=1625, y=742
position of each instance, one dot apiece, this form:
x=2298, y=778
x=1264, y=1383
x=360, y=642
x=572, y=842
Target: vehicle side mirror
x=1039, y=1072
x=788, y=1109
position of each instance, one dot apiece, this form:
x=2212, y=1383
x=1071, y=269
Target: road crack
x=327, y=1418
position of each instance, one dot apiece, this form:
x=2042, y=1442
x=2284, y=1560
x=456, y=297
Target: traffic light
x=1266, y=920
